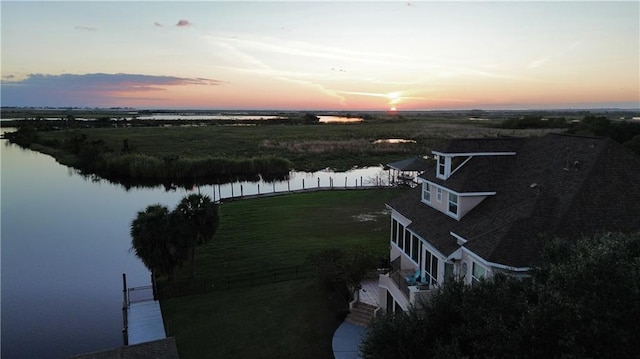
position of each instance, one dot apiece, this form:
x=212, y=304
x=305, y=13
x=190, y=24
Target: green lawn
x=287, y=319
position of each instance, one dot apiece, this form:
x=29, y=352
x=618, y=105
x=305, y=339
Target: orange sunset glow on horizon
x=386, y=56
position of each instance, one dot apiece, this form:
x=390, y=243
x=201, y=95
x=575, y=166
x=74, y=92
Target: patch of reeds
x=140, y=166
x=346, y=146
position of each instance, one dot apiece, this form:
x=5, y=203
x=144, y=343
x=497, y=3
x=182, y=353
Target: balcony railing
x=395, y=264
x=401, y=282
x=413, y=293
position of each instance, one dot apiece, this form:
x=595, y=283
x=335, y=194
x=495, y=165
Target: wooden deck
x=369, y=293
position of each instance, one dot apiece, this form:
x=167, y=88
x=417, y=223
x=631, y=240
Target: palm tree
x=156, y=243
x=197, y=222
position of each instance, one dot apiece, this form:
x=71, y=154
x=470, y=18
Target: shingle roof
x=556, y=185
x=410, y=164
x=481, y=145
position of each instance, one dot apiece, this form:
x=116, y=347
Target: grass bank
x=288, y=319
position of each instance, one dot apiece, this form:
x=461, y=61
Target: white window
x=431, y=268
x=407, y=242
x=426, y=192
x=394, y=231
x=439, y=194
x=477, y=273
x=441, y=166
x=453, y=203
x=415, y=248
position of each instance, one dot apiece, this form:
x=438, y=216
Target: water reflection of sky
x=339, y=119
x=65, y=245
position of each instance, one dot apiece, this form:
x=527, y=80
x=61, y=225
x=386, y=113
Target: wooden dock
x=145, y=322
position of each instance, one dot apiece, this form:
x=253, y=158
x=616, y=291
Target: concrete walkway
x=348, y=336
x=346, y=341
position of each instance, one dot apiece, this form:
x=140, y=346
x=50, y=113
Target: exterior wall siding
x=469, y=259
x=388, y=285
x=467, y=203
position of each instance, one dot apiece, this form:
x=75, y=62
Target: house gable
x=556, y=185
x=508, y=206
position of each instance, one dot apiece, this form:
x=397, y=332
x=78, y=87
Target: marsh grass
x=228, y=151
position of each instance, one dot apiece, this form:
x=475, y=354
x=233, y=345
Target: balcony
x=395, y=282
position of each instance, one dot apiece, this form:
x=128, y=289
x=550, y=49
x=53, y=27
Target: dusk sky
x=321, y=55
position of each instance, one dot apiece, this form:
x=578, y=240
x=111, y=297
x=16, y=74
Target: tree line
x=583, y=301
x=626, y=133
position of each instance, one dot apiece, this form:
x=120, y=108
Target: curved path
x=347, y=338
x=346, y=341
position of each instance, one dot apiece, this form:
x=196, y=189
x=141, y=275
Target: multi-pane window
x=477, y=273
x=394, y=231
x=453, y=203
x=415, y=248
x=441, y=165
x=426, y=192
x=431, y=268
x=439, y=194
x=407, y=242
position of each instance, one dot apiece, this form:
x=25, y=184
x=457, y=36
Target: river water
x=65, y=244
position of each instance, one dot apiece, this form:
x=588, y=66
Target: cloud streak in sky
x=85, y=28
x=94, y=89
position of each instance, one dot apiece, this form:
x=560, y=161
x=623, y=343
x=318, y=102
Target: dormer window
x=443, y=171
x=453, y=204
x=441, y=166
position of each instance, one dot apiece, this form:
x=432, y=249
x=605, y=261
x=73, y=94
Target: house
x=405, y=171
x=488, y=206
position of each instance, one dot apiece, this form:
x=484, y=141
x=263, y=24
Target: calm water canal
x=65, y=243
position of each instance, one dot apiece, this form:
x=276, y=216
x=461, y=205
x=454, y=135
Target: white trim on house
x=456, y=154
x=399, y=217
x=459, y=240
x=460, y=165
x=492, y=264
x=443, y=168
x=473, y=194
x=461, y=194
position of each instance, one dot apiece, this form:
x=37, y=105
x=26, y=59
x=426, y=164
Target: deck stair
x=361, y=314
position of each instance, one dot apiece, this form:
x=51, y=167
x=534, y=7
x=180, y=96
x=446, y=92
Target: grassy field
x=287, y=319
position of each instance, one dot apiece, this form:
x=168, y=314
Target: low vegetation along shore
x=205, y=152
